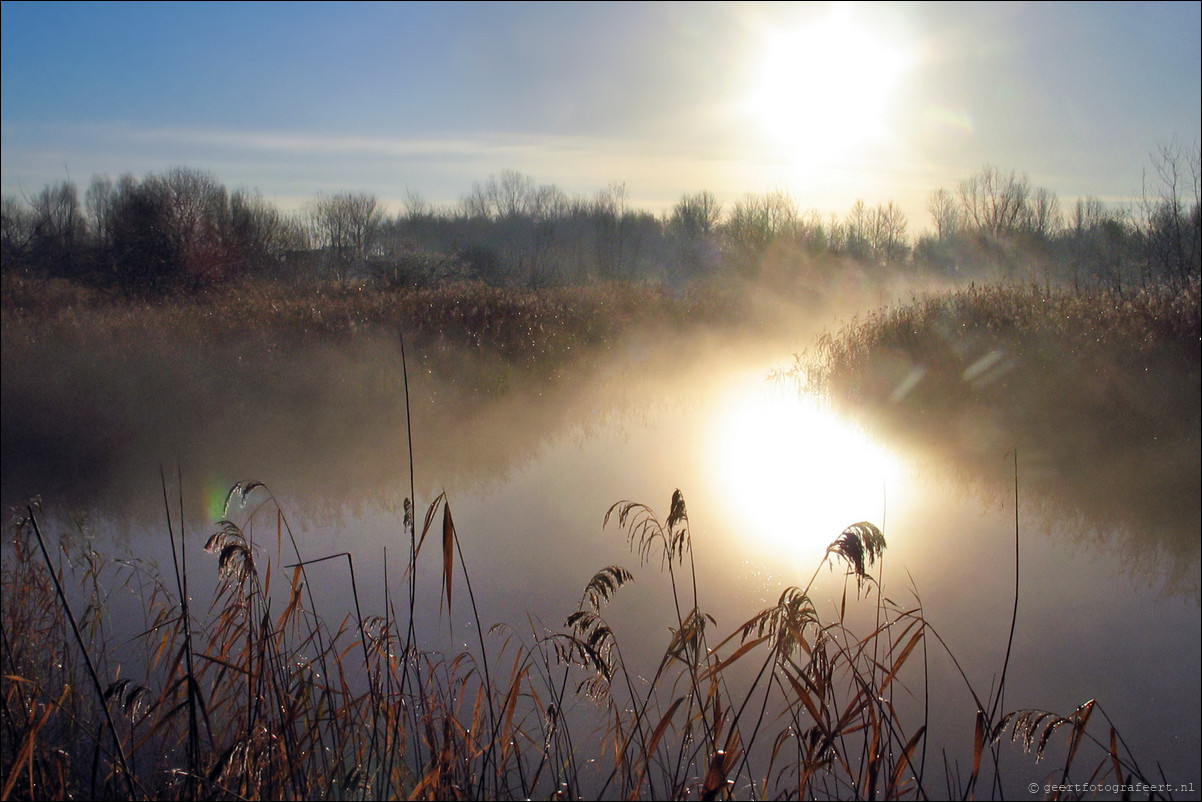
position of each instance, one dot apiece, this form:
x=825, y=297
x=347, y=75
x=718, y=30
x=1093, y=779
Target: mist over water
x=530, y=464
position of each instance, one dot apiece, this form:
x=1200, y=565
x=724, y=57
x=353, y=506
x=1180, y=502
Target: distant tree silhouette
x=181, y=230
x=754, y=224
x=1171, y=221
x=945, y=213
x=887, y=235
x=994, y=202
x=260, y=235
x=16, y=234
x=58, y=237
x=196, y=220
x=143, y=258
x=610, y=221
x=344, y=225
x=693, y=225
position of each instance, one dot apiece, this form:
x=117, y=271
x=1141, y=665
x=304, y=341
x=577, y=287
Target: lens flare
x=215, y=491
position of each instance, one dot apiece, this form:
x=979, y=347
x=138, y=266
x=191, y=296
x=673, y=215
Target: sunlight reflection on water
x=770, y=480
x=792, y=473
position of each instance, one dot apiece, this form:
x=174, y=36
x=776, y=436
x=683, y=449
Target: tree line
x=182, y=231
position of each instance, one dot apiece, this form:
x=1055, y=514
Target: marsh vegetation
x=257, y=687
x=262, y=697
x=332, y=630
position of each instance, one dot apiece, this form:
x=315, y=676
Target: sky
x=830, y=102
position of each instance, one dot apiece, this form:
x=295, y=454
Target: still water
x=770, y=478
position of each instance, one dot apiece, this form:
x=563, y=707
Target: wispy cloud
x=297, y=164
x=269, y=142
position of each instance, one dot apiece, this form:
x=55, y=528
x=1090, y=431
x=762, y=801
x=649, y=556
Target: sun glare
x=793, y=474
x=825, y=88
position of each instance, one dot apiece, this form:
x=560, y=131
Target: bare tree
x=59, y=229
x=506, y=196
x=755, y=222
x=1088, y=213
x=695, y=216
x=994, y=202
x=1100, y=245
x=1043, y=216
x=811, y=233
x=1171, y=226
x=887, y=233
x=609, y=216
x=547, y=206
x=747, y=232
x=511, y=194
x=142, y=254
x=417, y=207
x=99, y=202
x=16, y=233
x=945, y=213
x=693, y=224
x=782, y=214
x=858, y=231
x=344, y=225
x=259, y=234
x=476, y=205
x=196, y=216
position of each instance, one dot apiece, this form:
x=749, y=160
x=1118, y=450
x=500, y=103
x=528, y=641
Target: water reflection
x=325, y=427
x=790, y=470
x=531, y=467
x=1108, y=458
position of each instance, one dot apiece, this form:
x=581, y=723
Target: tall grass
x=979, y=340
x=524, y=327
x=265, y=697
x=1102, y=392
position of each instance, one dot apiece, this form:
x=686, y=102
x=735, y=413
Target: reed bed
x=1101, y=392
x=526, y=327
x=946, y=333
x=264, y=696
x=261, y=694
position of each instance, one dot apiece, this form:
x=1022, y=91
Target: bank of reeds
x=1102, y=392
x=264, y=696
x=522, y=326
x=949, y=336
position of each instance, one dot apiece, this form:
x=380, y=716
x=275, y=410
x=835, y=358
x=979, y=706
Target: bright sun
x=792, y=474
x=827, y=87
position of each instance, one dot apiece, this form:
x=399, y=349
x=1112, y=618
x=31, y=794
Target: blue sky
x=830, y=102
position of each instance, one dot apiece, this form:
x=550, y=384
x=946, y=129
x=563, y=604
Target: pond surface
x=770, y=478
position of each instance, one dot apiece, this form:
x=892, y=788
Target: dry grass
x=264, y=696
x=94, y=385
x=261, y=697
x=1100, y=393
x=946, y=332
x=531, y=328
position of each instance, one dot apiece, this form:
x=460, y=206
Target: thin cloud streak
x=440, y=169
